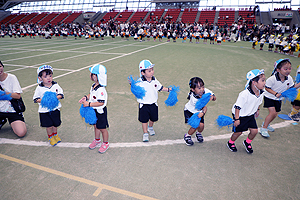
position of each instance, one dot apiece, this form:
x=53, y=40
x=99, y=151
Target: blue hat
x=101, y=72
x=42, y=68
x=145, y=64
x=277, y=62
x=252, y=74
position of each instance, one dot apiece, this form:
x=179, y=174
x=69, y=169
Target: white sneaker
x=271, y=129
x=264, y=132
x=151, y=131
x=145, y=137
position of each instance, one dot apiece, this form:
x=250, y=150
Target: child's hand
x=236, y=123
x=278, y=95
x=201, y=114
x=213, y=97
x=256, y=114
x=82, y=100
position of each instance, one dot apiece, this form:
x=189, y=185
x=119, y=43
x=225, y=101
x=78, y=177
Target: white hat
x=145, y=64
x=101, y=72
x=252, y=74
x=42, y=68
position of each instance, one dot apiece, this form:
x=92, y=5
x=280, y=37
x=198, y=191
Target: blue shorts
x=148, y=112
x=272, y=103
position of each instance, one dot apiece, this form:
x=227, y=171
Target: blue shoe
x=264, y=132
x=269, y=127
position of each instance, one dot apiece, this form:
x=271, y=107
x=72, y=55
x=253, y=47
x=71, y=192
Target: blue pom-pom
x=89, y=114
x=194, y=120
x=202, y=101
x=297, y=78
x=172, y=98
x=4, y=96
x=138, y=91
x=49, y=100
x=290, y=94
x=223, y=120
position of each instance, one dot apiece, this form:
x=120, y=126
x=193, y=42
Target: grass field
x=164, y=168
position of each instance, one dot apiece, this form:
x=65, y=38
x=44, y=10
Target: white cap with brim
x=252, y=74
x=101, y=73
x=145, y=64
x=42, y=68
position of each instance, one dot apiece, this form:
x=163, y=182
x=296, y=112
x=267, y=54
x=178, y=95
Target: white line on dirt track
x=133, y=144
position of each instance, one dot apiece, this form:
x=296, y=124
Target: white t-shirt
x=40, y=91
x=190, y=105
x=11, y=85
x=98, y=94
x=247, y=102
x=277, y=85
x=152, y=88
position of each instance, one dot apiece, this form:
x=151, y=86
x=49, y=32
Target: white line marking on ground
x=128, y=145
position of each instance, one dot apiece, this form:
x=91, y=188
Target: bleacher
x=138, y=16
x=172, y=14
x=71, y=17
x=247, y=15
x=48, y=18
x=208, y=15
x=59, y=18
x=155, y=15
x=17, y=18
x=7, y=19
x=123, y=17
x=189, y=15
x=27, y=18
x=108, y=16
x=226, y=15
x=38, y=18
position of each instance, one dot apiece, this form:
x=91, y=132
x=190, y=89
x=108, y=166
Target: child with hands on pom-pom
x=197, y=90
x=49, y=118
x=97, y=98
x=246, y=109
x=148, y=109
x=279, y=82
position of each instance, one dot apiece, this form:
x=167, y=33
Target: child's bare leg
x=191, y=131
x=145, y=127
x=253, y=133
x=97, y=132
x=235, y=136
x=200, y=128
x=104, y=134
x=271, y=116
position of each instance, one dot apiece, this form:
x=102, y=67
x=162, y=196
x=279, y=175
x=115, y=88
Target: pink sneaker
x=94, y=144
x=103, y=147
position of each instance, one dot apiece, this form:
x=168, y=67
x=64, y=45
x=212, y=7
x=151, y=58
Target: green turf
x=203, y=171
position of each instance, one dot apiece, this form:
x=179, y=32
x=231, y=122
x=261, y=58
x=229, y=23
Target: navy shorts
x=148, y=112
x=102, y=122
x=12, y=117
x=272, y=103
x=296, y=103
x=245, y=123
x=50, y=119
x=187, y=116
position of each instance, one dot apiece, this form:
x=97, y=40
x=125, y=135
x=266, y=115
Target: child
x=197, y=90
x=246, y=109
x=295, y=114
x=271, y=42
x=262, y=42
x=279, y=82
x=148, y=108
x=50, y=119
x=254, y=42
x=97, y=98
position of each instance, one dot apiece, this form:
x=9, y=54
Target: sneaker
x=199, y=137
x=103, y=147
x=2, y=122
x=58, y=140
x=294, y=117
x=145, y=137
x=264, y=132
x=231, y=147
x=94, y=144
x=151, y=131
x=248, y=147
x=52, y=141
x=188, y=140
x=269, y=127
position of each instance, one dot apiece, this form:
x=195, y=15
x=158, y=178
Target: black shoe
x=248, y=147
x=188, y=140
x=199, y=137
x=231, y=147
x=2, y=122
